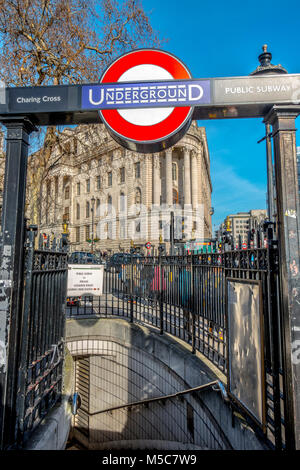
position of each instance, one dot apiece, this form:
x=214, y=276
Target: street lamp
x=65, y=232
x=92, y=210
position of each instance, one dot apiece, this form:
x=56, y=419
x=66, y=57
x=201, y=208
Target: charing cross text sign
x=148, y=98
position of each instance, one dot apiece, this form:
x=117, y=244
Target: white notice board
x=85, y=279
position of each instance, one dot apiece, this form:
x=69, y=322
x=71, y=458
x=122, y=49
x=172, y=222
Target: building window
x=87, y=232
x=98, y=182
x=122, y=202
x=66, y=215
x=122, y=175
x=122, y=229
x=78, y=211
x=88, y=185
x=137, y=169
x=67, y=192
x=77, y=234
x=174, y=171
x=175, y=196
x=138, y=196
x=109, y=179
x=109, y=204
x=87, y=209
x=78, y=189
x=97, y=206
x=109, y=230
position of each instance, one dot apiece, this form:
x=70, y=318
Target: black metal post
x=93, y=215
x=271, y=198
x=131, y=289
x=18, y=130
x=193, y=306
x=24, y=335
x=160, y=287
x=282, y=119
x=172, y=233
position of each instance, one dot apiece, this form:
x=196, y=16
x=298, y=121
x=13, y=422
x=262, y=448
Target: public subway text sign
x=148, y=98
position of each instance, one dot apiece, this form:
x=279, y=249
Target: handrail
x=151, y=400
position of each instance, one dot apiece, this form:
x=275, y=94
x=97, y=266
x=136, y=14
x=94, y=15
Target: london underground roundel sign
x=138, y=79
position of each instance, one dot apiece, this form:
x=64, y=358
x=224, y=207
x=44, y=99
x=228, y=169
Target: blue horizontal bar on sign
x=146, y=94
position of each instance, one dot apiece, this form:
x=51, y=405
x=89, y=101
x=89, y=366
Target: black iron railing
x=42, y=334
x=186, y=297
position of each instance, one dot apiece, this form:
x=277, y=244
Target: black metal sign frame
x=256, y=335
x=231, y=97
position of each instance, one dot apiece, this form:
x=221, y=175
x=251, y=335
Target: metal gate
x=186, y=296
x=41, y=354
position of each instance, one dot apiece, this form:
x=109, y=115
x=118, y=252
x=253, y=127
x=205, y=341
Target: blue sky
x=224, y=39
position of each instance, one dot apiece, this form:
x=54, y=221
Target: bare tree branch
x=52, y=42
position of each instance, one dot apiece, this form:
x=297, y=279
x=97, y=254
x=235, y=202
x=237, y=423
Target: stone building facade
x=113, y=198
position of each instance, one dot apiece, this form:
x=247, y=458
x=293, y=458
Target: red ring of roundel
x=157, y=131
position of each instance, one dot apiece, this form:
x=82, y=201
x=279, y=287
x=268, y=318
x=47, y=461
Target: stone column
x=43, y=216
x=282, y=118
x=52, y=201
x=187, y=177
x=71, y=201
x=169, y=185
x=60, y=199
x=194, y=179
x=201, y=173
x=156, y=181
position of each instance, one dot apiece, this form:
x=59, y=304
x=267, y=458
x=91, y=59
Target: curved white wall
x=128, y=363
